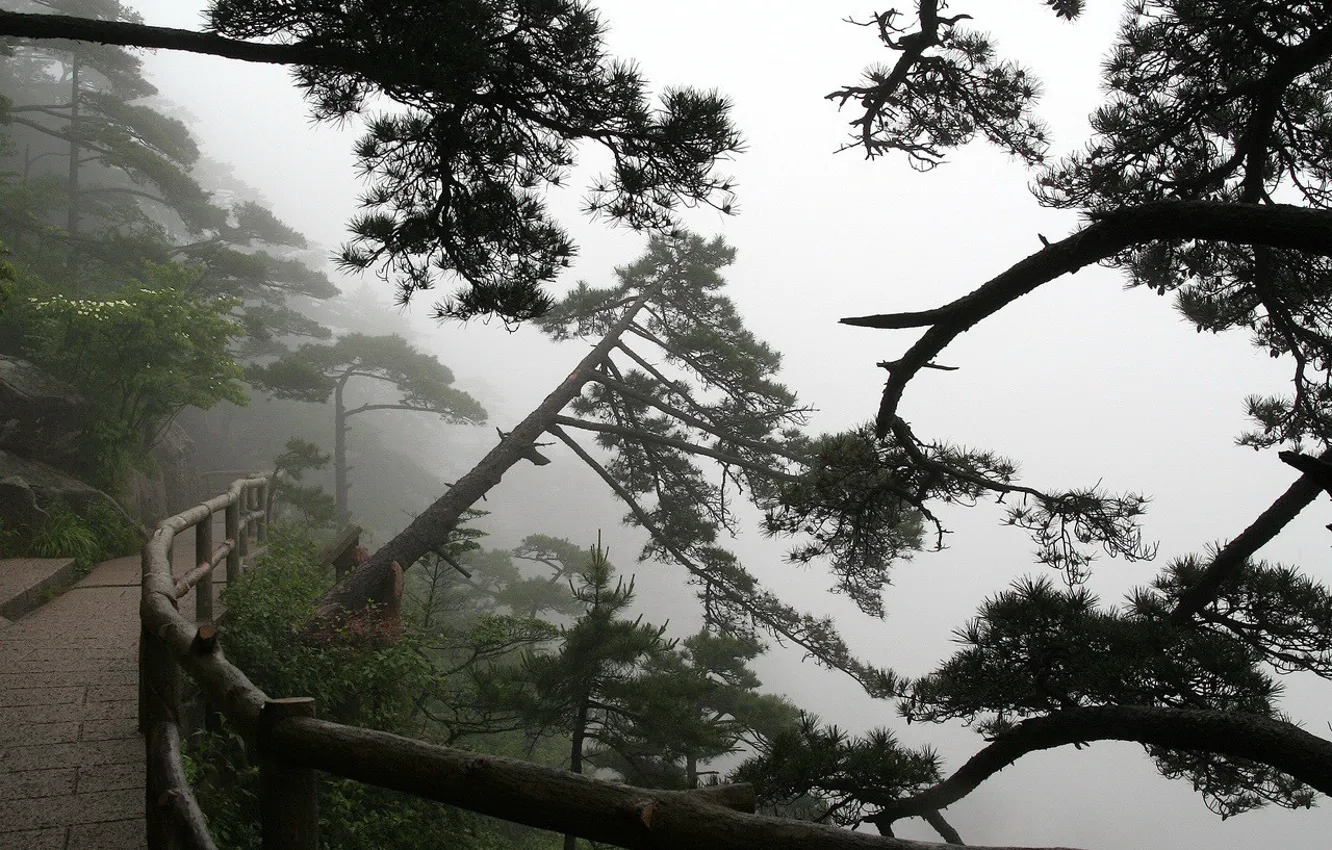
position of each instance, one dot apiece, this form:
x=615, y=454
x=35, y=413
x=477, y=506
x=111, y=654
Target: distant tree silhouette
x=314, y=372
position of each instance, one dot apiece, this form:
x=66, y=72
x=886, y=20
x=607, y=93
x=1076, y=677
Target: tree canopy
x=491, y=101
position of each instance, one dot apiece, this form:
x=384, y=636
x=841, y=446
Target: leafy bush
x=138, y=358
x=266, y=613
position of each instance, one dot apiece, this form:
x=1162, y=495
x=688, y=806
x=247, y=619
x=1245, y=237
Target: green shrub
x=99, y=534
x=138, y=357
x=367, y=686
x=64, y=534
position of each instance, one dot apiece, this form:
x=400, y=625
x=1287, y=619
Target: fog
x=1080, y=382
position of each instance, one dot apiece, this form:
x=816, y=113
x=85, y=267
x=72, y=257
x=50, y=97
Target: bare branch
x=1274, y=225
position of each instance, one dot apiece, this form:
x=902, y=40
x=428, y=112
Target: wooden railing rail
x=169, y=642
x=292, y=744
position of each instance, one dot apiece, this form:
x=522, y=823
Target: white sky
x=1080, y=381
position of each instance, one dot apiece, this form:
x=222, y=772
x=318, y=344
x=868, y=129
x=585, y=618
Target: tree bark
x=434, y=525
x=37, y=26
x=340, y=452
x=72, y=186
x=576, y=756
x=1275, y=743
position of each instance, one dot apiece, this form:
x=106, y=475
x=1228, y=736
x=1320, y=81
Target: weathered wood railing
x=292, y=745
x=173, y=816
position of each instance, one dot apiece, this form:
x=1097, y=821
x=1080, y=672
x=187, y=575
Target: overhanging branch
x=166, y=38
x=877, y=683
x=1272, y=225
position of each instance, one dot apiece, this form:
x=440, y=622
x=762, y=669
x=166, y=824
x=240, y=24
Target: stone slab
x=38, y=783
x=97, y=807
x=26, y=583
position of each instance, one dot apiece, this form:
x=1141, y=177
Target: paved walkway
x=71, y=757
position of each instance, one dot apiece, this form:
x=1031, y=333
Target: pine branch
x=675, y=443
x=1276, y=743
x=1269, y=523
x=880, y=683
x=703, y=425
x=124, y=34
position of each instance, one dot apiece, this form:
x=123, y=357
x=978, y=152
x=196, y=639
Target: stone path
x=71, y=757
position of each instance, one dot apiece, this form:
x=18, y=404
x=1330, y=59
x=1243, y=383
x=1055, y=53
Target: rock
x=39, y=415
x=28, y=487
x=175, y=486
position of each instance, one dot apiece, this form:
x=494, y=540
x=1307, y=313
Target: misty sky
x=1081, y=382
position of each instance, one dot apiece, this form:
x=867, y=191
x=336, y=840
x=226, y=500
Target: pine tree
x=689, y=706
x=1205, y=178
x=101, y=180
x=315, y=372
x=713, y=399
x=580, y=690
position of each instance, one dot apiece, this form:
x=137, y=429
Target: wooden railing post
x=288, y=795
x=159, y=703
x=203, y=553
x=242, y=517
x=238, y=545
x=261, y=530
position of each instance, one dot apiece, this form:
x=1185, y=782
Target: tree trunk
x=434, y=525
x=340, y=452
x=72, y=182
x=691, y=771
x=576, y=755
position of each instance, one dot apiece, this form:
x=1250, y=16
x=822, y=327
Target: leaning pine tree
x=684, y=399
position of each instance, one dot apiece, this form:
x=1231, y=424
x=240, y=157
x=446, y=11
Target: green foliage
x=132, y=196
x=859, y=501
x=99, y=534
x=8, y=275
x=817, y=772
x=491, y=101
x=368, y=686
x=268, y=611
x=689, y=705
x=63, y=534
x=138, y=360
x=315, y=506
x=1037, y=649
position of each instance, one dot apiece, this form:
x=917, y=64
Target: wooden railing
x=292, y=745
x=173, y=816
